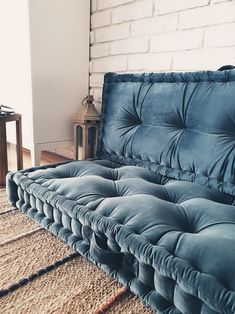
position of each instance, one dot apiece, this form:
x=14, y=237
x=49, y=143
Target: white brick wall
x=209, y=15
x=99, y=19
x=100, y=50
x=111, y=33
x=104, y=4
x=167, y=6
x=154, y=25
x=159, y=35
x=136, y=10
x=220, y=36
x=130, y=45
x=174, y=41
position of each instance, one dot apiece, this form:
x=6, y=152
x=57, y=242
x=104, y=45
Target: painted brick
x=137, y=10
x=182, y=35
x=218, y=1
x=155, y=25
x=97, y=93
x=131, y=45
x=98, y=105
x=100, y=50
x=110, y=64
x=92, y=37
x=93, y=5
x=220, y=36
x=105, y=4
x=202, y=59
x=112, y=33
x=100, y=19
x=205, y=16
x=150, y=62
x=168, y=6
x=96, y=80
x=91, y=66
x=183, y=40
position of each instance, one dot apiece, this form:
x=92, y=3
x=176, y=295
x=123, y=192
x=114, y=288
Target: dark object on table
x=5, y=110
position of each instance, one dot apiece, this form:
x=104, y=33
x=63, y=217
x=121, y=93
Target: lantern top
x=88, y=111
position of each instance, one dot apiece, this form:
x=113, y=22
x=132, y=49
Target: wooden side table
x=3, y=145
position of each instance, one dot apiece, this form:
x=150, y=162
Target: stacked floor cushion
x=156, y=209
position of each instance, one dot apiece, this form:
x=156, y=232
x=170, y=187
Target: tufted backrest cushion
x=180, y=125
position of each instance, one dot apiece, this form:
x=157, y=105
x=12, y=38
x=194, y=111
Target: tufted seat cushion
x=188, y=222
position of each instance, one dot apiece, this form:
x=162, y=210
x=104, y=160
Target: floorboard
x=46, y=158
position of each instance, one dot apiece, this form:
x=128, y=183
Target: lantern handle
x=88, y=99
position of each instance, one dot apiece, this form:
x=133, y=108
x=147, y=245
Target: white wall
x=15, y=85
x=160, y=35
x=59, y=36
x=44, y=67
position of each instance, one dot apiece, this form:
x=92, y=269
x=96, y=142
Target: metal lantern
x=86, y=127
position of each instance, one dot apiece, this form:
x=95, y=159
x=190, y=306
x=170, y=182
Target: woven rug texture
x=77, y=286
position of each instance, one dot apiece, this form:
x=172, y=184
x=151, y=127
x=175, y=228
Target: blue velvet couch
x=156, y=209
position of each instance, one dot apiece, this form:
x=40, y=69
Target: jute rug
x=73, y=286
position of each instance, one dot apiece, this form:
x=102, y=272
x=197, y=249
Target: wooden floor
x=46, y=158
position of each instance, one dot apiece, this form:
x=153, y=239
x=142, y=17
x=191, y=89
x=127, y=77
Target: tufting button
x=138, y=123
x=135, y=120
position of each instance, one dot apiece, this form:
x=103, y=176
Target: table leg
x=19, y=144
x=3, y=154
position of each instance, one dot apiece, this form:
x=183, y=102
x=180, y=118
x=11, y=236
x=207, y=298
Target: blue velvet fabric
x=181, y=125
x=156, y=209
x=152, y=233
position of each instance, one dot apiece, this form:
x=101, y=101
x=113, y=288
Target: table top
x=10, y=117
